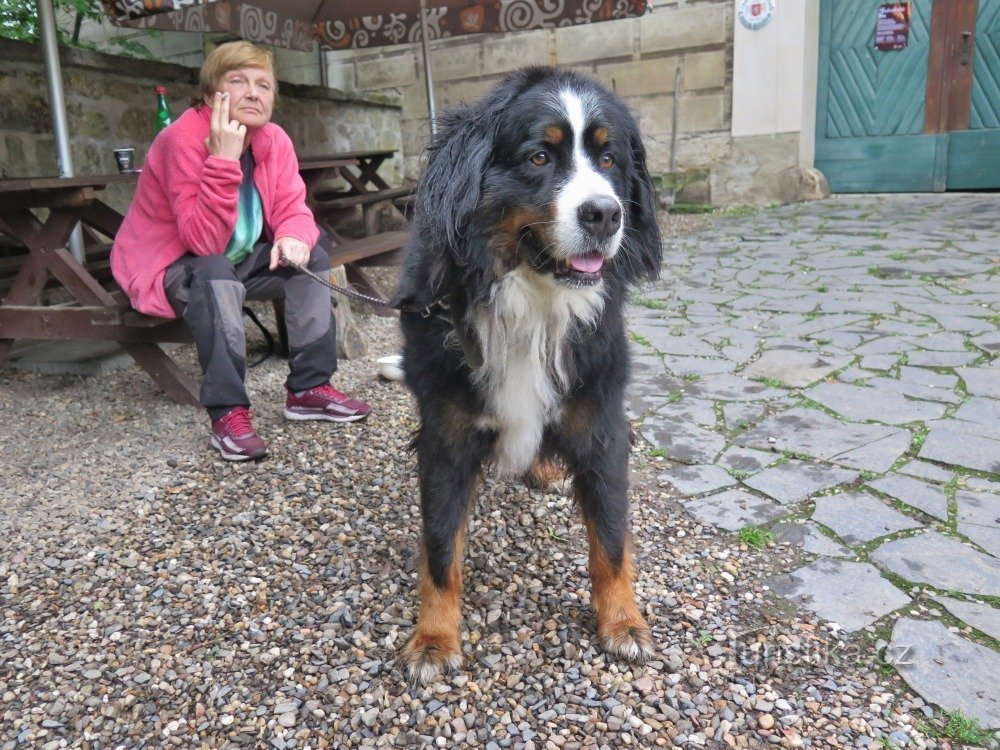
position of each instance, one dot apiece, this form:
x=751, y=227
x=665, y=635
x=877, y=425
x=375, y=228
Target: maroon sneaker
x=324, y=402
x=234, y=437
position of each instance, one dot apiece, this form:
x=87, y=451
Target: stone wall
x=110, y=102
x=745, y=101
x=638, y=58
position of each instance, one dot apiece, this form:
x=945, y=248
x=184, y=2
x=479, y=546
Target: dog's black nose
x=601, y=216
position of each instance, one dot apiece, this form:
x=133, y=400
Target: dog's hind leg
x=447, y=477
x=602, y=493
x=543, y=474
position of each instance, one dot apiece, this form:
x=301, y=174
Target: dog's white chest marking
x=523, y=377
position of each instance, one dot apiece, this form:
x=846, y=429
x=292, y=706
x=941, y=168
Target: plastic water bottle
x=163, y=117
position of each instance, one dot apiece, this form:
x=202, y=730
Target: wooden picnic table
x=35, y=258
x=364, y=176
x=91, y=312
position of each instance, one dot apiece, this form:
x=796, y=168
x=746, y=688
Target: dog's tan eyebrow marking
x=554, y=135
x=602, y=136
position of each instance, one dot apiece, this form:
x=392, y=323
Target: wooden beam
x=84, y=323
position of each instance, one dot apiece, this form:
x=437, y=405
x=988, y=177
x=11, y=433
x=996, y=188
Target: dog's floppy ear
x=451, y=182
x=643, y=243
x=447, y=239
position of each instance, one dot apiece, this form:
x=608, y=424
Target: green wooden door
x=874, y=131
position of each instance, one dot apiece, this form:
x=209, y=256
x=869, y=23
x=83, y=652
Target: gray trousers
x=207, y=292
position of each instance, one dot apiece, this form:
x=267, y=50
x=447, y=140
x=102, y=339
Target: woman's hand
x=225, y=139
x=289, y=250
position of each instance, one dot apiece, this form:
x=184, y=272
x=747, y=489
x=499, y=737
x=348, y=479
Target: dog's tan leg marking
x=543, y=474
x=620, y=626
x=435, y=644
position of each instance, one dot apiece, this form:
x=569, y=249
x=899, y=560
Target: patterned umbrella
x=341, y=24
x=347, y=24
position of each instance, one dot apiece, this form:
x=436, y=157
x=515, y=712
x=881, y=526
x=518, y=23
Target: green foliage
x=965, y=729
x=738, y=212
x=19, y=20
x=755, y=536
x=652, y=304
x=770, y=382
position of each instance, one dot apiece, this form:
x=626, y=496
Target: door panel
x=870, y=103
x=986, y=72
x=875, y=93
x=973, y=160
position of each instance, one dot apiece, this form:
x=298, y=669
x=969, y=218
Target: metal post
x=428, y=81
x=674, y=114
x=667, y=196
x=324, y=74
x=57, y=103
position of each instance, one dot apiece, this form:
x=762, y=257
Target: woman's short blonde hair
x=232, y=56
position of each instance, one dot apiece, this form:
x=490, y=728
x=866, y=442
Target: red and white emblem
x=755, y=14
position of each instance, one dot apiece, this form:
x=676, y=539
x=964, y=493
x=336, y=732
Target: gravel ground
x=154, y=595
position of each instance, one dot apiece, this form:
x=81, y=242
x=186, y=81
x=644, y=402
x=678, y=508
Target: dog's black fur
x=486, y=208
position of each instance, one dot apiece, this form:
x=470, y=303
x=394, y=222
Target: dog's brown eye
x=607, y=161
x=539, y=159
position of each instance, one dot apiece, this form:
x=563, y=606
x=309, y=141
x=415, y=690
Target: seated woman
x=218, y=210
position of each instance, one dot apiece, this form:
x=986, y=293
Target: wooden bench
x=375, y=250
x=338, y=203
x=337, y=200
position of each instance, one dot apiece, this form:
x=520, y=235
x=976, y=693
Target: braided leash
x=377, y=301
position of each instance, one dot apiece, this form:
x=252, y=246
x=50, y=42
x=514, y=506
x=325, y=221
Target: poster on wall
x=892, y=29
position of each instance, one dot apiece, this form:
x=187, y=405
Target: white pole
x=428, y=80
x=57, y=102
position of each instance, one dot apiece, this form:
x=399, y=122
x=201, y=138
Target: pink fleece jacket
x=186, y=202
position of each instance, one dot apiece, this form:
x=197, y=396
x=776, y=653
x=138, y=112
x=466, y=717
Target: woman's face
x=251, y=95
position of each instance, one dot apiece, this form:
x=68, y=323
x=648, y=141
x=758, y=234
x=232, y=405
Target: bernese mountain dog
x=534, y=215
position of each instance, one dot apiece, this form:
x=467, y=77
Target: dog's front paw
x=428, y=656
x=630, y=638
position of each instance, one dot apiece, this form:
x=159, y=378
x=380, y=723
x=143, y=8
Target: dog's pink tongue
x=587, y=263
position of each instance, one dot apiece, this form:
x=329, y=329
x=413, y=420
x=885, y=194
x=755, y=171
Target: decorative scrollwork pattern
x=252, y=22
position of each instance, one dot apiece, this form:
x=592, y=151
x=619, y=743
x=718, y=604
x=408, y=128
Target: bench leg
x=5, y=346
x=176, y=383
x=370, y=215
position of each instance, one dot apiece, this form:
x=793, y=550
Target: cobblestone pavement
x=829, y=370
